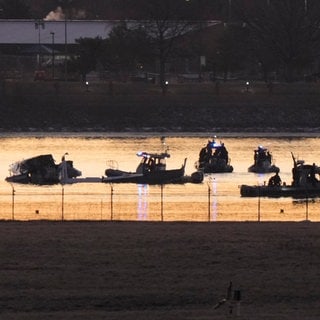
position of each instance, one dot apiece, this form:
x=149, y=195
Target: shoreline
x=195, y=108
x=115, y=134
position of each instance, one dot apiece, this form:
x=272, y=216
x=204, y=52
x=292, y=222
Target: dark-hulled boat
x=263, y=162
x=214, y=158
x=304, y=185
x=152, y=170
x=42, y=170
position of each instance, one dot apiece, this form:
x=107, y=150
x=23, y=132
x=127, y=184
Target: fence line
x=145, y=204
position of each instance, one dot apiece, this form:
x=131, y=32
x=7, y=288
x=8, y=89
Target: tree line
x=270, y=39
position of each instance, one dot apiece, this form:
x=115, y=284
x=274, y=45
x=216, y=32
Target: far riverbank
x=141, y=107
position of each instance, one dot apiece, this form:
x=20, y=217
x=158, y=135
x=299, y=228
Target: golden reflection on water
x=217, y=199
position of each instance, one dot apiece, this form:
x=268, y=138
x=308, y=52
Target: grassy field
x=125, y=270
x=194, y=107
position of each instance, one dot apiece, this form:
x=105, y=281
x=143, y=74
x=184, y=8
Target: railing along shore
x=159, y=203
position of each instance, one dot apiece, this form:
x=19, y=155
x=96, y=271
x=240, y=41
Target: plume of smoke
x=58, y=14
x=55, y=15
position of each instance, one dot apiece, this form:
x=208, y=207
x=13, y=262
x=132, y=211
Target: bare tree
x=89, y=51
x=125, y=49
x=164, y=21
x=284, y=33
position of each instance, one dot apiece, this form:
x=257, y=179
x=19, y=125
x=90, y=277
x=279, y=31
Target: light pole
x=52, y=35
x=65, y=5
x=65, y=47
x=39, y=24
x=229, y=10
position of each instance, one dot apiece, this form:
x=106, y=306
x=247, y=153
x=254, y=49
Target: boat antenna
x=64, y=156
x=294, y=159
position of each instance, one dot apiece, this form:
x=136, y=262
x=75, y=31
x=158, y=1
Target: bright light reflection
x=214, y=202
x=142, y=209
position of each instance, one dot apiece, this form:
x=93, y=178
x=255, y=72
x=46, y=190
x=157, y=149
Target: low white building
x=27, y=45
x=24, y=32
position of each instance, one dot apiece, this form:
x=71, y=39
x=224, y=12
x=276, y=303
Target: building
x=28, y=45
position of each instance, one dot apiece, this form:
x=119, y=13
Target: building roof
x=26, y=32
x=31, y=31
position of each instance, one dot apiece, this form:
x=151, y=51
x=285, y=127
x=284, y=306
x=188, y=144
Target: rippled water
x=217, y=199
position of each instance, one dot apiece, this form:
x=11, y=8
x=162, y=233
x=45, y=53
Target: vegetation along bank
x=188, y=107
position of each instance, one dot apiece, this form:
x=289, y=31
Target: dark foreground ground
x=193, y=107
x=127, y=270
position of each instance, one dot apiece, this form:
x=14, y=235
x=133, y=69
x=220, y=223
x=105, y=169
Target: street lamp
x=39, y=24
x=52, y=35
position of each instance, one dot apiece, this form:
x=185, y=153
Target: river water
x=216, y=199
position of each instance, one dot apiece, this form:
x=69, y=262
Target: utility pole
x=39, y=24
x=229, y=10
x=65, y=6
x=52, y=35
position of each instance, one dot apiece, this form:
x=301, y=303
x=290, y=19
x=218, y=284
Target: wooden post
x=12, y=205
x=111, y=201
x=62, y=204
x=307, y=207
x=209, y=203
x=259, y=204
x=161, y=202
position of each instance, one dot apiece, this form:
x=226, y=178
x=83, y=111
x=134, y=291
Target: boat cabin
x=213, y=150
x=151, y=162
x=261, y=155
x=305, y=174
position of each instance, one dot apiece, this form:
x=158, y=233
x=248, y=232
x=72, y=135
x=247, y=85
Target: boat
x=152, y=170
x=213, y=158
x=263, y=162
x=42, y=170
x=304, y=184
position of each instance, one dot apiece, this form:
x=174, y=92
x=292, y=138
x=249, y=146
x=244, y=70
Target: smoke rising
x=58, y=14
x=55, y=15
